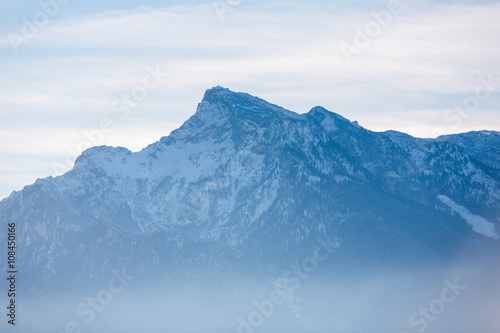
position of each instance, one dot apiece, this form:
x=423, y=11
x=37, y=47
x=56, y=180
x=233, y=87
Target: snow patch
x=340, y=179
x=478, y=223
x=314, y=179
x=329, y=124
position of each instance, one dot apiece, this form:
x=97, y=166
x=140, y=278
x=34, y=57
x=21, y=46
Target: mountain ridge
x=242, y=179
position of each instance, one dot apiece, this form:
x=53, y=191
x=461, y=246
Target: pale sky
x=425, y=69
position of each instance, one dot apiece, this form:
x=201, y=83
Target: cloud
x=427, y=59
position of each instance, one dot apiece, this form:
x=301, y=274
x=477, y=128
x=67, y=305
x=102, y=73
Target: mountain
x=247, y=185
x=483, y=146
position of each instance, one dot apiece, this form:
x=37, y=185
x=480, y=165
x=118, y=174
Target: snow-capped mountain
x=245, y=183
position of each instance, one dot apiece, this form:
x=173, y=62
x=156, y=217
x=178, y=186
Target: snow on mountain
x=484, y=146
x=246, y=181
x=478, y=224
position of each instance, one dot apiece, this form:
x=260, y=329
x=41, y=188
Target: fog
x=463, y=296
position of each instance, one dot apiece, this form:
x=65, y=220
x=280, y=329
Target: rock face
x=244, y=183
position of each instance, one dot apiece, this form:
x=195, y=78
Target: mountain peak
x=329, y=120
x=321, y=112
x=219, y=102
x=217, y=93
x=244, y=181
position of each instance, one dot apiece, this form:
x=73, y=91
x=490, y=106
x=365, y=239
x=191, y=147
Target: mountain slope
x=244, y=183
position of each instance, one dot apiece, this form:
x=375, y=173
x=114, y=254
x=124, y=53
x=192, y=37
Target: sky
x=125, y=73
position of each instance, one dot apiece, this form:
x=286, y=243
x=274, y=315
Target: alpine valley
x=247, y=188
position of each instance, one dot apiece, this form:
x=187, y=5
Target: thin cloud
x=429, y=58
